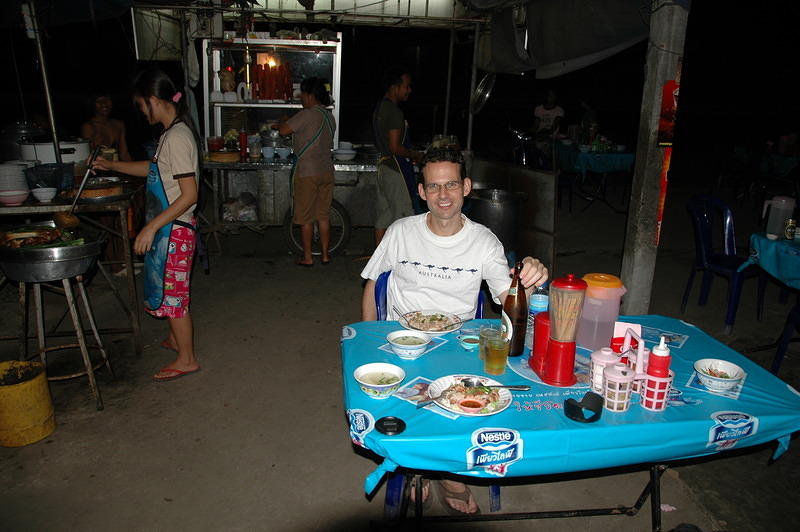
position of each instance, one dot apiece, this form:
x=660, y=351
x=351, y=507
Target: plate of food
x=473, y=401
x=432, y=322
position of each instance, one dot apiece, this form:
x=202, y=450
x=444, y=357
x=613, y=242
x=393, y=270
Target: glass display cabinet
x=251, y=83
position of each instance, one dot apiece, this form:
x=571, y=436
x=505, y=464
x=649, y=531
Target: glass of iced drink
x=496, y=355
x=487, y=331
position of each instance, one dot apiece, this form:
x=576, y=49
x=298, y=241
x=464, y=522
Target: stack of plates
x=12, y=176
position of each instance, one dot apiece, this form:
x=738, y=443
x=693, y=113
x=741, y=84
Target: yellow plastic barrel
x=26, y=409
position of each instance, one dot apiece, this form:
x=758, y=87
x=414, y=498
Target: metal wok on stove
x=36, y=265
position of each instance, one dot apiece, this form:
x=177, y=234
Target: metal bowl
x=36, y=265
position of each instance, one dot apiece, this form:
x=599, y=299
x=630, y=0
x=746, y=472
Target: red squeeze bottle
x=660, y=359
x=243, y=145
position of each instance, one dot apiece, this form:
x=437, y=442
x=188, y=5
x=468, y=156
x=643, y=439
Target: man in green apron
x=396, y=184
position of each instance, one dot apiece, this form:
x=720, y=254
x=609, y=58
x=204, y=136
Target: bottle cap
x=660, y=350
x=570, y=282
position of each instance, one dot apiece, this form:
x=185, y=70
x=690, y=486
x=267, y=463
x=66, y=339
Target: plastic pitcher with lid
x=600, y=310
x=780, y=209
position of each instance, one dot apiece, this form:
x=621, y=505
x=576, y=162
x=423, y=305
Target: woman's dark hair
x=393, y=76
x=155, y=82
x=316, y=87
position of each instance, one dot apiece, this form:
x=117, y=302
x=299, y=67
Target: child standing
x=167, y=239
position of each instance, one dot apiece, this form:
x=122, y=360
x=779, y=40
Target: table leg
x=655, y=495
x=792, y=320
x=23, y=322
x=39, y=308
x=130, y=275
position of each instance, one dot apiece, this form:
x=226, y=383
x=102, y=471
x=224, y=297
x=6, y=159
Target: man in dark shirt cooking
x=396, y=183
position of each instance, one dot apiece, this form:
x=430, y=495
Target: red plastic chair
x=704, y=209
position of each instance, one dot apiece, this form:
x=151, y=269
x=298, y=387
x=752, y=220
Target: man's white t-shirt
x=547, y=116
x=432, y=272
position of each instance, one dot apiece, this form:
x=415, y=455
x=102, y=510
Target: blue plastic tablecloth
x=570, y=158
x=780, y=258
x=534, y=437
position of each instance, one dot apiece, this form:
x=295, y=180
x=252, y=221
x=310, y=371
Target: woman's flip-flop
x=464, y=496
x=165, y=345
x=171, y=374
x=303, y=264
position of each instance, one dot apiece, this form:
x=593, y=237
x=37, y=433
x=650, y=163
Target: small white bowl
x=405, y=351
x=345, y=145
x=469, y=342
x=366, y=376
x=718, y=384
x=283, y=153
x=345, y=155
x=45, y=194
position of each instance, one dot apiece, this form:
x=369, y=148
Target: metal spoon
x=68, y=220
x=397, y=311
x=474, y=382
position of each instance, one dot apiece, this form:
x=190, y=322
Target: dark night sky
x=737, y=84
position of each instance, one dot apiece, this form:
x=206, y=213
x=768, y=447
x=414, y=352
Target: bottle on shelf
x=243, y=145
x=540, y=299
x=516, y=308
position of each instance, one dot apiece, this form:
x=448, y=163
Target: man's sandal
x=464, y=496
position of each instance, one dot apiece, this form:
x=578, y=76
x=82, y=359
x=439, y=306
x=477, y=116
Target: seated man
x=438, y=260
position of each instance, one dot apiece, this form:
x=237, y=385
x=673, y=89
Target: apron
x=298, y=154
x=155, y=260
x=404, y=164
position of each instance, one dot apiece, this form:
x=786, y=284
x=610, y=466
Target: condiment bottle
x=243, y=145
x=540, y=299
x=660, y=359
x=601, y=358
x=516, y=308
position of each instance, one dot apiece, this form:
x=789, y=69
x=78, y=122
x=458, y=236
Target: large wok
x=36, y=265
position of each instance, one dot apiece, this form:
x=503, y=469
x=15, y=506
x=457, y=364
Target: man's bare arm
x=397, y=148
x=368, y=311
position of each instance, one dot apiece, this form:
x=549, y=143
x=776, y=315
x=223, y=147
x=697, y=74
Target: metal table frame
x=652, y=489
x=120, y=207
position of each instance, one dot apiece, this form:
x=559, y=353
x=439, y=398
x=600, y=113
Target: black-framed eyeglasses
x=433, y=188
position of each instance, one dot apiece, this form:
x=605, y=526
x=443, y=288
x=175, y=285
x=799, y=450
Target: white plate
x=441, y=384
x=458, y=323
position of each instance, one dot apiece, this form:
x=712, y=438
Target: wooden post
x=664, y=54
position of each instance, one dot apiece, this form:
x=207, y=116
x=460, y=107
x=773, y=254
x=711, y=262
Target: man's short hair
x=393, y=76
x=444, y=155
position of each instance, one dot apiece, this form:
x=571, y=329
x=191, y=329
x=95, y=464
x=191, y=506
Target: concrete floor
x=258, y=439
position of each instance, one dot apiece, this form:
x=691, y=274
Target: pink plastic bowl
x=13, y=197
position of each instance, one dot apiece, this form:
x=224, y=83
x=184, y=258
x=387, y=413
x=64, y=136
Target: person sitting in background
x=547, y=116
x=102, y=130
x=438, y=260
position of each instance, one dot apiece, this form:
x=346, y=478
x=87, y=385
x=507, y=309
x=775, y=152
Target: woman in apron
x=168, y=237
x=312, y=173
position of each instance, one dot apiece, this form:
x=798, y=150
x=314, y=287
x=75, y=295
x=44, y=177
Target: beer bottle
x=516, y=308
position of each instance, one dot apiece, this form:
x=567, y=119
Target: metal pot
x=72, y=151
x=11, y=136
x=498, y=210
x=36, y=265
